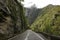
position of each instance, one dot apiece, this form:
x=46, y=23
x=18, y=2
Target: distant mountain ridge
x=31, y=14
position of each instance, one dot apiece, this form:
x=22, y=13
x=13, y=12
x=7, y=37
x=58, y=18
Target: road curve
x=28, y=35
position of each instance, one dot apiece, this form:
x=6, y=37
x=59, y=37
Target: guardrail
x=51, y=37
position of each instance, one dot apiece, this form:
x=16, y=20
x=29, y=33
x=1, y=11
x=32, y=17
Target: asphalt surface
x=28, y=35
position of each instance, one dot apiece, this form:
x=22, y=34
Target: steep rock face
x=5, y=20
x=12, y=19
x=48, y=21
x=32, y=13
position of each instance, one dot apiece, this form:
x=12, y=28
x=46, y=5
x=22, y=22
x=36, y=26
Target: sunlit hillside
x=48, y=21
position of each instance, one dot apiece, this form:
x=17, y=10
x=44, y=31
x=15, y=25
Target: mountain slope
x=12, y=19
x=48, y=21
x=31, y=14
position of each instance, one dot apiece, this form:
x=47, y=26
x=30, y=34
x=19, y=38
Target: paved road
x=28, y=35
x=33, y=36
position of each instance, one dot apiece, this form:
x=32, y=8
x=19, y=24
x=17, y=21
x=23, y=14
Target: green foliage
x=17, y=13
x=14, y=10
x=48, y=21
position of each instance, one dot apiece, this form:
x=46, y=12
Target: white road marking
x=38, y=36
x=28, y=33
x=27, y=36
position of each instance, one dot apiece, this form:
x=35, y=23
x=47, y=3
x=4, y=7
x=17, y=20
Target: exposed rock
x=12, y=19
x=32, y=13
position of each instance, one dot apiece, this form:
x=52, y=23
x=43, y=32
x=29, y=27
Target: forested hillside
x=48, y=21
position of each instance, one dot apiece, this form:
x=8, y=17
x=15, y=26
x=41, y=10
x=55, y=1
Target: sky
x=40, y=3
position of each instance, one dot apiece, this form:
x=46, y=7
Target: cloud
x=40, y=3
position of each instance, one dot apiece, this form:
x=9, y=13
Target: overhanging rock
x=28, y=35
